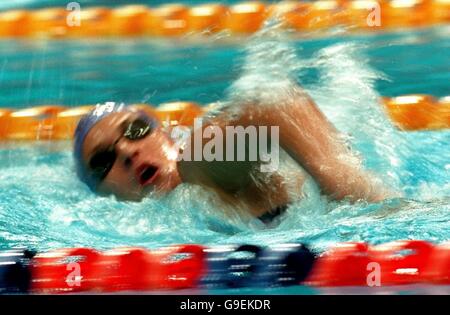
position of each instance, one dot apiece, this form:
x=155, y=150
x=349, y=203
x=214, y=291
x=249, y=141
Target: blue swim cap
x=84, y=126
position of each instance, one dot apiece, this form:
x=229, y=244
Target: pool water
x=44, y=206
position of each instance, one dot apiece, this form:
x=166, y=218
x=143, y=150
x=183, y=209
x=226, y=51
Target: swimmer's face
x=140, y=166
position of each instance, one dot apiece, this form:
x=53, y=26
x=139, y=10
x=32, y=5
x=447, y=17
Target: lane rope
x=55, y=122
x=226, y=266
x=240, y=19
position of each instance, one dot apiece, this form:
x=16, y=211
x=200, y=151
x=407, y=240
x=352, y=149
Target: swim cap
x=84, y=126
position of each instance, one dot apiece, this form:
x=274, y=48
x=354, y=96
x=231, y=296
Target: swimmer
x=129, y=154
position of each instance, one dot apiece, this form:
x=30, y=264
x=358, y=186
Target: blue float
x=15, y=274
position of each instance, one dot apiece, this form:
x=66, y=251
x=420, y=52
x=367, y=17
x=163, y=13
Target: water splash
x=269, y=68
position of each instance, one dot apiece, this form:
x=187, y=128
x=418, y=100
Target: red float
x=126, y=269
x=401, y=262
x=437, y=270
x=64, y=270
x=343, y=265
x=182, y=266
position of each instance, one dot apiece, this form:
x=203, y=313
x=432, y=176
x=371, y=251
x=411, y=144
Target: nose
x=126, y=152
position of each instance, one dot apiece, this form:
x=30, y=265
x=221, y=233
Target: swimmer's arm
x=307, y=135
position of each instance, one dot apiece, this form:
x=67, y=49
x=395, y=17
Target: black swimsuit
x=268, y=217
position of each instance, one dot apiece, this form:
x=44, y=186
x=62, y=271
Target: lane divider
x=223, y=266
x=418, y=112
x=54, y=122
x=239, y=19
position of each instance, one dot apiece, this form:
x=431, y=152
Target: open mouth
x=147, y=174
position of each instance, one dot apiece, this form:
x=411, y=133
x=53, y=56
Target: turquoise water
x=43, y=205
x=66, y=72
